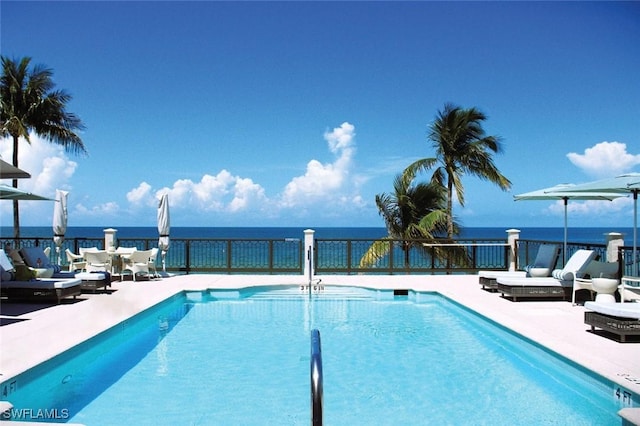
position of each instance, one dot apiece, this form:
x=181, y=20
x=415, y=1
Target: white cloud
x=326, y=183
x=101, y=211
x=50, y=169
x=219, y=193
x=140, y=195
x=605, y=159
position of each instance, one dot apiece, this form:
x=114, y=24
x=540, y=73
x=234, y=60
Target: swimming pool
x=242, y=357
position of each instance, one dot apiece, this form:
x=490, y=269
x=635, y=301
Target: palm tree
x=462, y=147
x=413, y=213
x=30, y=103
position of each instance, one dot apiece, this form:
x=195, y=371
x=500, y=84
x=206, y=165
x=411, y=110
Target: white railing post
x=309, y=267
x=614, y=241
x=110, y=238
x=513, y=235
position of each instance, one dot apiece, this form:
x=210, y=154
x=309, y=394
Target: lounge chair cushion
x=31, y=255
x=48, y=283
x=561, y=277
x=622, y=310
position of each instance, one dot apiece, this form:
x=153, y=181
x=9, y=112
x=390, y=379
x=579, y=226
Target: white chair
x=136, y=263
x=97, y=261
x=152, y=261
x=76, y=261
x=595, y=269
x=630, y=289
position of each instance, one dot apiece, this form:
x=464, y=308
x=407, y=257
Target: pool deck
x=32, y=334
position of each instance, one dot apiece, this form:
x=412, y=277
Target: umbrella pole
x=564, y=250
x=635, y=232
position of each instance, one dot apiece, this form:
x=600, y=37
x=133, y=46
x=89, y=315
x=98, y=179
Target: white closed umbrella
x=562, y=192
x=59, y=220
x=164, y=226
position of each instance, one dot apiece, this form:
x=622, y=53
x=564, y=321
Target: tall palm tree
x=462, y=147
x=413, y=213
x=29, y=102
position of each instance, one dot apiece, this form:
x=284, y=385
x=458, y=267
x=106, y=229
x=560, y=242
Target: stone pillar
x=513, y=235
x=110, y=238
x=309, y=267
x=614, y=241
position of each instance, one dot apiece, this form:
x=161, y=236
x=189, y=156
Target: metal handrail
x=316, y=379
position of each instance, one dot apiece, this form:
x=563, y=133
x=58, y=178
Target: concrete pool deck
x=32, y=334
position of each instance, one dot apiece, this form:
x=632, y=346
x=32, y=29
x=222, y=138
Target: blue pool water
x=243, y=358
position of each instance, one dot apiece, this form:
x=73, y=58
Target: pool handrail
x=316, y=379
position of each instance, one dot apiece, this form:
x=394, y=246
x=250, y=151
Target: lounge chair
x=621, y=319
x=542, y=266
x=559, y=285
x=34, y=290
x=35, y=257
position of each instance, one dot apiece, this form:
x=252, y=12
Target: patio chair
x=76, y=261
x=136, y=263
x=152, y=261
x=621, y=319
x=542, y=266
x=36, y=258
x=630, y=289
x=34, y=290
x=97, y=261
x=595, y=269
x=559, y=285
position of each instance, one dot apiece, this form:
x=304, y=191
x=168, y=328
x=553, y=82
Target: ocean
x=575, y=235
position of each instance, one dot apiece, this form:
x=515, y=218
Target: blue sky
x=299, y=113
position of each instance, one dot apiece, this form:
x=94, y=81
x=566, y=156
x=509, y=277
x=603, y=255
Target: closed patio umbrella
x=560, y=192
x=628, y=183
x=59, y=220
x=164, y=225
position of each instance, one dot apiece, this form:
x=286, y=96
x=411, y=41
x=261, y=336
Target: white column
x=513, y=235
x=110, y=239
x=309, y=267
x=614, y=240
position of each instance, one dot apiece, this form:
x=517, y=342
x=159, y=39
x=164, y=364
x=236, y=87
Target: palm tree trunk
x=16, y=207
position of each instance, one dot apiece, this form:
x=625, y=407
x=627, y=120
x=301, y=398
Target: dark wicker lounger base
x=41, y=295
x=619, y=326
x=534, y=292
x=489, y=284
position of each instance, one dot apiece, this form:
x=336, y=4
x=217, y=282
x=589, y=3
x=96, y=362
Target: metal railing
x=331, y=256
x=316, y=379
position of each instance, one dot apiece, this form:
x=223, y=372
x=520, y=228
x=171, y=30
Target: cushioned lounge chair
x=34, y=290
x=542, y=266
x=621, y=319
x=35, y=257
x=559, y=285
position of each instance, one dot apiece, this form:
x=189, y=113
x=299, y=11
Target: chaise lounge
x=34, y=289
x=559, y=285
x=542, y=266
x=620, y=319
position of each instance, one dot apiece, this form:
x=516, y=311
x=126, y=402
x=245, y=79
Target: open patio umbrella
x=560, y=192
x=59, y=220
x=10, y=193
x=9, y=171
x=624, y=184
x=164, y=225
